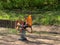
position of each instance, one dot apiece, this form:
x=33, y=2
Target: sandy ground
x=33, y=39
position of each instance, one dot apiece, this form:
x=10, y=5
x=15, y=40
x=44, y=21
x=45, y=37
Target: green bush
x=30, y=4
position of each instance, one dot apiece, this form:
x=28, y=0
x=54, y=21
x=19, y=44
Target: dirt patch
x=33, y=38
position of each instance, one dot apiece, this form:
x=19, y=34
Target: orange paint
x=29, y=20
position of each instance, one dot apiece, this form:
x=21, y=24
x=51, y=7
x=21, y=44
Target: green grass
x=12, y=31
x=10, y=15
x=44, y=18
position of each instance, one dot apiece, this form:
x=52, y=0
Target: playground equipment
x=28, y=21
